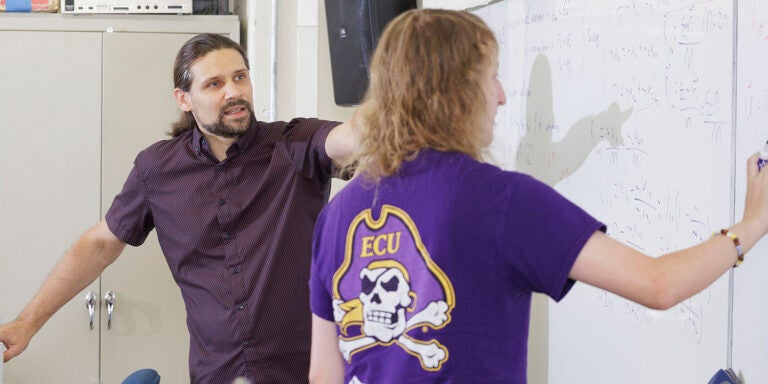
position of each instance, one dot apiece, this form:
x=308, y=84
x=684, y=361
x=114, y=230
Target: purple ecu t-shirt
x=237, y=237
x=429, y=277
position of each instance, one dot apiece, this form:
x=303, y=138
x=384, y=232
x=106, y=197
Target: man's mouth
x=236, y=111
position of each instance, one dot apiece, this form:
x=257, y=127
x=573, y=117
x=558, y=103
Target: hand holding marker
x=762, y=158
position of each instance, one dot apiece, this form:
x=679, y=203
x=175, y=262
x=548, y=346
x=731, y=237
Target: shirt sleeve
x=545, y=233
x=129, y=217
x=305, y=142
x=320, y=298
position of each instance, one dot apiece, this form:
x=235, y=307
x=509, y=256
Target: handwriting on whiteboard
x=596, y=113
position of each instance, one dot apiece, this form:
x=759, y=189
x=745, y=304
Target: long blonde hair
x=425, y=90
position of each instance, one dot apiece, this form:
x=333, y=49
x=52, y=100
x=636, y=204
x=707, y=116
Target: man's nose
x=232, y=91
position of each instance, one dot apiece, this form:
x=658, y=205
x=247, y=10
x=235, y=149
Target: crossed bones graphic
x=431, y=354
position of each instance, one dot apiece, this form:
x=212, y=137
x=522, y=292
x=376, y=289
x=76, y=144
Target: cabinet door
x=50, y=119
x=149, y=321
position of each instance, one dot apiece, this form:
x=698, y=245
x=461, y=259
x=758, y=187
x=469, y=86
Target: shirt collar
x=248, y=139
x=197, y=139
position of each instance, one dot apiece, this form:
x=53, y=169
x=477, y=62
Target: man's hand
x=16, y=336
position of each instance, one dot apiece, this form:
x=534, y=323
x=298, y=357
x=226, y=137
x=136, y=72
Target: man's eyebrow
x=235, y=72
x=207, y=79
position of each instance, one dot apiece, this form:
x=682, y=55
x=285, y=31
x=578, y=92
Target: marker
x=762, y=157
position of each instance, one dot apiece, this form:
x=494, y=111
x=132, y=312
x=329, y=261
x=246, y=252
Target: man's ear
x=182, y=99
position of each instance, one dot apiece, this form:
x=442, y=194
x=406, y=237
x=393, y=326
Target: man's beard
x=233, y=128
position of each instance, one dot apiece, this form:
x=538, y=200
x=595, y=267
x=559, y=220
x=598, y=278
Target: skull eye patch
x=391, y=284
x=368, y=285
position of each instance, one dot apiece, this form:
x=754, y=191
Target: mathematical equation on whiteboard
x=609, y=117
x=753, y=84
x=690, y=312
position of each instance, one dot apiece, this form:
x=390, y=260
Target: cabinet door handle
x=90, y=303
x=110, y=298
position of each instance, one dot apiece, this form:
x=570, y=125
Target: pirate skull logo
x=388, y=287
x=385, y=295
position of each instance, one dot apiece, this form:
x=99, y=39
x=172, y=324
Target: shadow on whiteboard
x=538, y=154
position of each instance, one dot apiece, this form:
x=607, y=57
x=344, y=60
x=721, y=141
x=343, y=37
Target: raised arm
x=342, y=141
x=662, y=282
x=81, y=265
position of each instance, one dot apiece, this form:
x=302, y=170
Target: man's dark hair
x=191, y=51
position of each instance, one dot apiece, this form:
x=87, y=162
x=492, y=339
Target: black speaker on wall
x=210, y=7
x=354, y=28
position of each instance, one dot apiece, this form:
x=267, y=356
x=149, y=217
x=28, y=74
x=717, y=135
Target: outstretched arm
x=662, y=282
x=84, y=261
x=326, y=365
x=342, y=141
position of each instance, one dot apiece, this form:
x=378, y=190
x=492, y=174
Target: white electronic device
x=127, y=6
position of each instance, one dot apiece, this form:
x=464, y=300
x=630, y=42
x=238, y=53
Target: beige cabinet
x=79, y=97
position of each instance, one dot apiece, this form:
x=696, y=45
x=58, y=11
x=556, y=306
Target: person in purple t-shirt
x=424, y=264
x=234, y=201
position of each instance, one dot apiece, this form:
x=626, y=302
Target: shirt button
x=247, y=343
x=227, y=235
x=219, y=167
x=222, y=202
x=235, y=270
x=241, y=307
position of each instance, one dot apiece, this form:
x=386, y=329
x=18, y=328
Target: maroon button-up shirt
x=237, y=236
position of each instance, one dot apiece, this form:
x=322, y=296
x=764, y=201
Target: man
x=234, y=202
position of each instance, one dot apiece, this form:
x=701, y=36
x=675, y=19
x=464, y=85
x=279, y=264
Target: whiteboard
x=750, y=312
x=626, y=108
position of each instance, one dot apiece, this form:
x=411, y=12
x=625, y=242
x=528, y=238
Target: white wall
x=303, y=71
